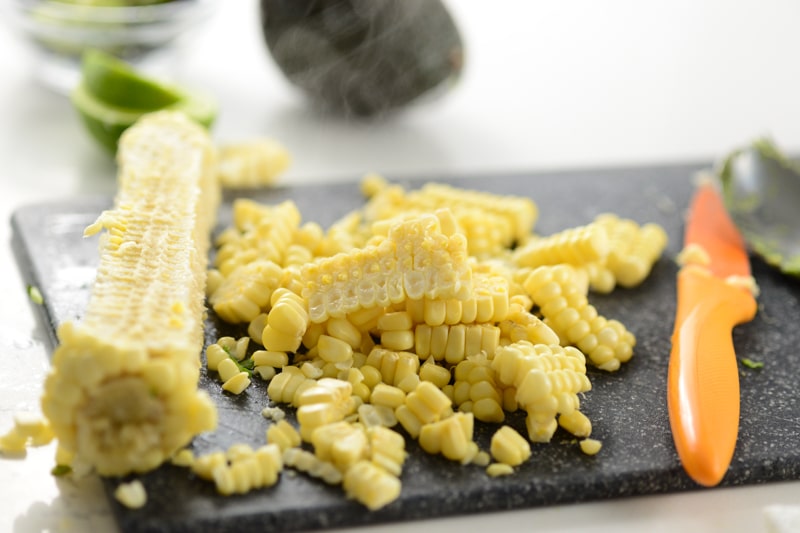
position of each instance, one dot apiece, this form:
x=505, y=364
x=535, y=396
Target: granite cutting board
x=628, y=408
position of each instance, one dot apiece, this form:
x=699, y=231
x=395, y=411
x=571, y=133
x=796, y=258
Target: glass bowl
x=146, y=34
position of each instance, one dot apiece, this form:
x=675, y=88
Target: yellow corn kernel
x=132, y=494
x=236, y=348
x=334, y=350
x=268, y=358
x=312, y=334
x=284, y=435
x=488, y=410
x=395, y=321
x=273, y=413
x=276, y=341
x=547, y=380
x=288, y=317
x=461, y=392
x=633, y=249
x=237, y=383
x=576, y=423
x=409, y=383
x=387, y=395
x=366, y=319
x=264, y=233
x=408, y=420
x=606, y=343
x=205, y=465
x=372, y=376
x=252, y=163
x=397, y=340
x=33, y=427
x=227, y=369
x=499, y=469
x=370, y=415
x=436, y=374
x=590, y=446
x=184, y=458
x=371, y=485
x=372, y=184
x=451, y=437
x=522, y=325
x=283, y=387
x=266, y=373
x=245, y=292
x=255, y=328
x=509, y=447
x=215, y=354
x=341, y=443
x=428, y=403
x=214, y=279
x=307, y=462
x=387, y=449
x=434, y=312
x=13, y=442
x=343, y=329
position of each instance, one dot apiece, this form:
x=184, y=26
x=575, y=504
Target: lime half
x=115, y=82
x=112, y=95
x=106, y=122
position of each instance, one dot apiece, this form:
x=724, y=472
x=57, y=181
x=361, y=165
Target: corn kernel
x=132, y=495
x=237, y=384
x=334, y=350
x=590, y=446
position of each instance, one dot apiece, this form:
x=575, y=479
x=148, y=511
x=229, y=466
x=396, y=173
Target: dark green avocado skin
x=363, y=57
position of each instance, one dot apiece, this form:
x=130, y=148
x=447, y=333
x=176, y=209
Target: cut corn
x=253, y=163
x=122, y=394
x=132, y=494
x=415, y=306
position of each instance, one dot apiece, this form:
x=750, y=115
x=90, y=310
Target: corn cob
x=122, y=394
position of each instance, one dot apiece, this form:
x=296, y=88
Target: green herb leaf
x=35, y=295
x=749, y=363
x=61, y=470
x=244, y=366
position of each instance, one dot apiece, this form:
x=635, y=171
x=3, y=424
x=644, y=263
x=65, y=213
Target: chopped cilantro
x=35, y=295
x=749, y=363
x=244, y=366
x=61, y=470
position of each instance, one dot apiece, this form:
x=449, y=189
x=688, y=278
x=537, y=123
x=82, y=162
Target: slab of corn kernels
x=424, y=311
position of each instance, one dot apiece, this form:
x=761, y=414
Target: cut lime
x=116, y=83
x=106, y=122
x=113, y=95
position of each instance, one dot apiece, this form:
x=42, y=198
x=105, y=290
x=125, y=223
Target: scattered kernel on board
x=419, y=313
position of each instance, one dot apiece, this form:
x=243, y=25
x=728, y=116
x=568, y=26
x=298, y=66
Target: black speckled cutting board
x=628, y=408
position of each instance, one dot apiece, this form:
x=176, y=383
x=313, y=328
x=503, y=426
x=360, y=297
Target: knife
x=715, y=293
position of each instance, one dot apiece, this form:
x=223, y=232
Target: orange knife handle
x=703, y=379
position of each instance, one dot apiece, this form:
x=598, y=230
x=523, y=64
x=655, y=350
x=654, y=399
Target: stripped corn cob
x=416, y=259
x=122, y=394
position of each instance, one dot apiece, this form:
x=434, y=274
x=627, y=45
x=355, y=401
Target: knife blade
x=703, y=380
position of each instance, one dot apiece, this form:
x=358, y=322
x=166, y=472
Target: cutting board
x=627, y=408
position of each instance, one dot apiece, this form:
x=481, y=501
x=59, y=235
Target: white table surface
x=548, y=85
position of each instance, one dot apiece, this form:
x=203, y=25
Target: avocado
x=363, y=57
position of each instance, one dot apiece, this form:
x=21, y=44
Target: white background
x=547, y=85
